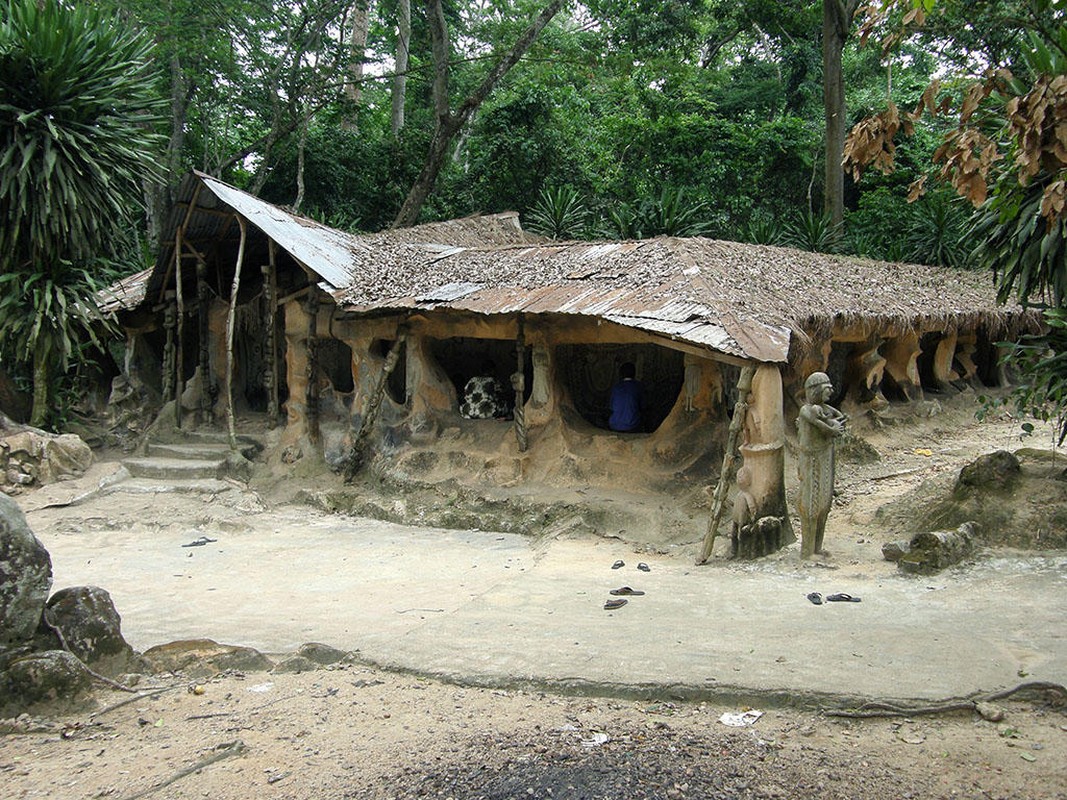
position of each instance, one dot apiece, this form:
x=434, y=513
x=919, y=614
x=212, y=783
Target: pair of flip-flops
x=618, y=601
x=839, y=597
x=643, y=567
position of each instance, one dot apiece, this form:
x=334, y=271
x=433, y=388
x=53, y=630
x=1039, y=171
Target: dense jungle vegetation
x=602, y=118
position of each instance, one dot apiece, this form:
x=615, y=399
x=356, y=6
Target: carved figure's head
x=818, y=387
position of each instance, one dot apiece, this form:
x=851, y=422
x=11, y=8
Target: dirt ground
x=351, y=731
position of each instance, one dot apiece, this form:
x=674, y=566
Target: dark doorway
x=589, y=372
x=462, y=358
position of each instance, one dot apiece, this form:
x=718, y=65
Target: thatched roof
x=745, y=300
x=696, y=282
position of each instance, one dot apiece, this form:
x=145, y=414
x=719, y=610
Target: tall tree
x=836, y=24
x=76, y=139
x=448, y=123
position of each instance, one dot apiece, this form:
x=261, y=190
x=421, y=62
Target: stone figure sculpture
x=818, y=425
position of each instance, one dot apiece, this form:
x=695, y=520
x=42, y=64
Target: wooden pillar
x=945, y=353
x=179, y=238
x=170, y=324
x=866, y=369
x=230, y=324
x=204, y=361
x=311, y=308
x=270, y=292
x=966, y=348
x=763, y=448
x=518, y=382
x=901, y=364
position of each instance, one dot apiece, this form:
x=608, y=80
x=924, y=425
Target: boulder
x=91, y=628
x=25, y=576
x=997, y=471
x=42, y=677
x=33, y=456
x=295, y=665
x=203, y=658
x=321, y=653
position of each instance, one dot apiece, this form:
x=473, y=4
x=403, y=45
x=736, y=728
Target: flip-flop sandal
x=841, y=597
x=618, y=564
x=626, y=590
x=613, y=604
x=816, y=598
x=644, y=567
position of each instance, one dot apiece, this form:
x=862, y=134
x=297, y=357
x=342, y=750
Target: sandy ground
x=354, y=731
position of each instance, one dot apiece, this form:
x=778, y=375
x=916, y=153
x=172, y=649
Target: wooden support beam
x=270, y=291
x=230, y=324
x=518, y=382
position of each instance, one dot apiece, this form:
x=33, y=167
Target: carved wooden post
x=311, y=307
x=866, y=367
x=518, y=382
x=270, y=291
x=230, y=324
x=966, y=348
x=179, y=237
x=170, y=323
x=202, y=301
x=763, y=449
x=901, y=362
x=944, y=374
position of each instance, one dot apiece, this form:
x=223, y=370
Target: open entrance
x=463, y=358
x=589, y=372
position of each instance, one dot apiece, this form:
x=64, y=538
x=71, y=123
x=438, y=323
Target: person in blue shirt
x=627, y=401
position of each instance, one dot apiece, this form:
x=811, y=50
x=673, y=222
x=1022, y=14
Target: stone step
x=198, y=451
x=205, y=486
x=175, y=468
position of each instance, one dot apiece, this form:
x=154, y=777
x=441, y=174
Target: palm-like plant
x=77, y=106
x=559, y=213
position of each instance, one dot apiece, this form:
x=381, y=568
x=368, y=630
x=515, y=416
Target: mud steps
x=199, y=463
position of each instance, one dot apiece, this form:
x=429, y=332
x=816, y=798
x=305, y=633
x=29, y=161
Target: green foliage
x=1025, y=252
x=51, y=314
x=763, y=229
x=75, y=131
x=559, y=213
x=814, y=231
x=76, y=150
x=670, y=213
x=1043, y=359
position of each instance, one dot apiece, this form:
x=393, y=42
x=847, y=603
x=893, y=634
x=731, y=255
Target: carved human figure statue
x=818, y=425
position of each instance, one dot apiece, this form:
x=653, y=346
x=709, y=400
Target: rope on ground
x=221, y=752
x=882, y=709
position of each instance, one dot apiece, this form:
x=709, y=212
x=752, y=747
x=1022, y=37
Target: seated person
x=627, y=401
x=483, y=397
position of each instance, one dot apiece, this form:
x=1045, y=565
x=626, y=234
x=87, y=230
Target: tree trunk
x=159, y=197
x=447, y=124
x=836, y=21
x=357, y=46
x=42, y=375
x=400, y=79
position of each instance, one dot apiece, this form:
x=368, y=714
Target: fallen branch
x=221, y=752
x=880, y=709
x=128, y=700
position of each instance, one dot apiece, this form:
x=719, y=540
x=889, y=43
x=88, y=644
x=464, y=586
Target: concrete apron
x=504, y=610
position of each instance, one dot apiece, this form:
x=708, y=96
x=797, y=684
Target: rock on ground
x=91, y=628
x=25, y=576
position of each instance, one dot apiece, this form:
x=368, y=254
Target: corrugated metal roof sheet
x=328, y=252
